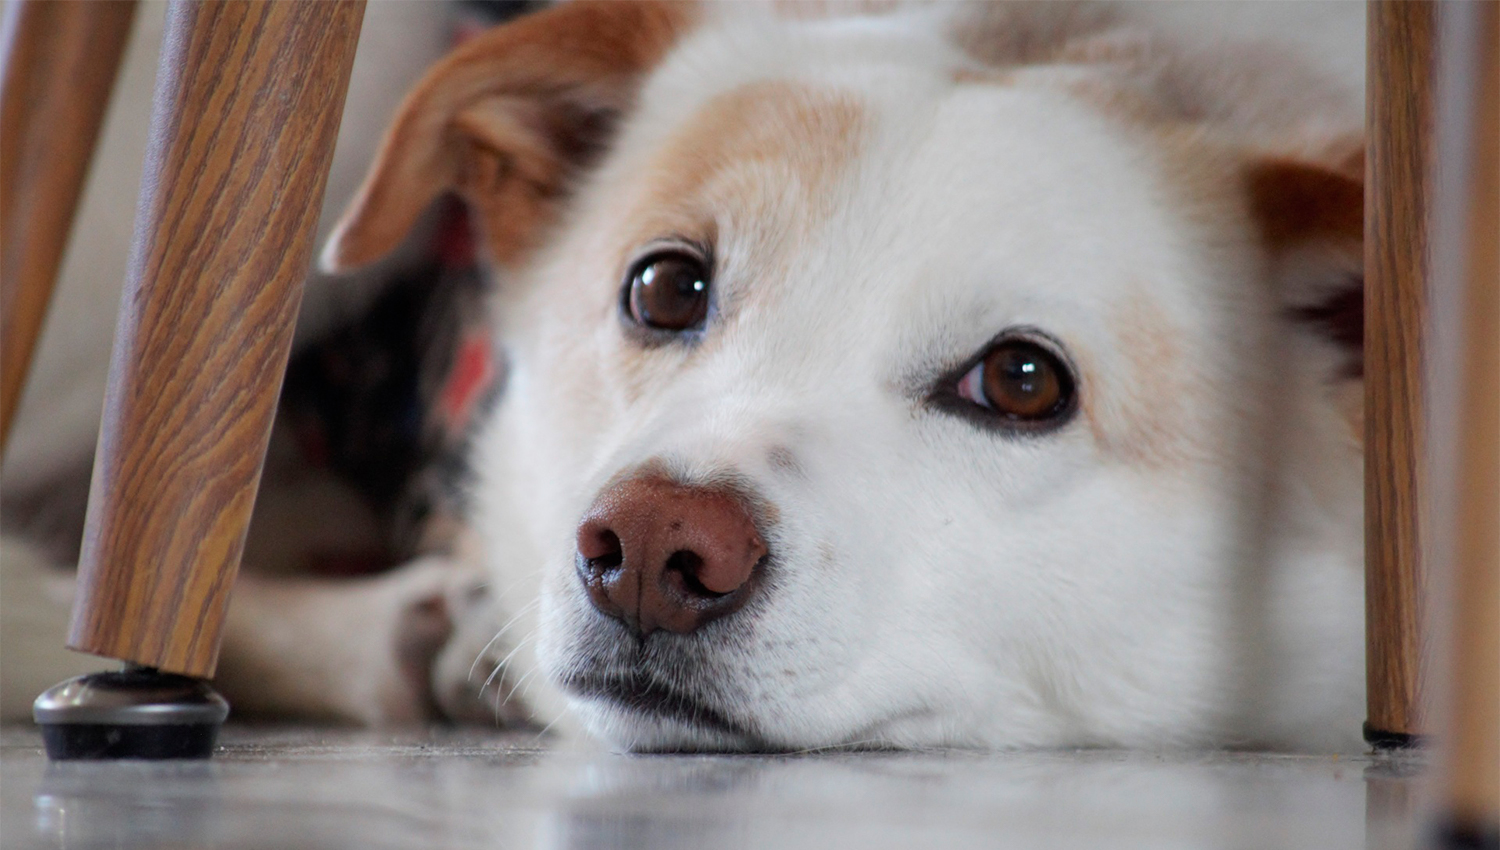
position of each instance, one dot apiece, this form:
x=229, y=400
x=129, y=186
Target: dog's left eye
x=1020, y=381
x=668, y=291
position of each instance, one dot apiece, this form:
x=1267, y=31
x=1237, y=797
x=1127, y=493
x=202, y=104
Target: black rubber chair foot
x=1383, y=740
x=67, y=741
x=136, y=713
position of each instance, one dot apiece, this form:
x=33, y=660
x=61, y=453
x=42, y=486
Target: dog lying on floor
x=959, y=375
x=979, y=375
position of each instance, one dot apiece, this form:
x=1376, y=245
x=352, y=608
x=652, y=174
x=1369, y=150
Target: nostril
x=657, y=555
x=689, y=565
x=601, y=549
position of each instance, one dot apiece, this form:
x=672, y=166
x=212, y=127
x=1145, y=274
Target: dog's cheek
x=1145, y=398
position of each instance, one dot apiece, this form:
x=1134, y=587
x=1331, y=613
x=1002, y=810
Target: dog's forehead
x=894, y=183
x=874, y=221
x=750, y=157
x=1017, y=204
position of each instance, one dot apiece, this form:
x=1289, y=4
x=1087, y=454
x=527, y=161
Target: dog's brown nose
x=658, y=555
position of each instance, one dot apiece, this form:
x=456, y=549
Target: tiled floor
x=298, y=788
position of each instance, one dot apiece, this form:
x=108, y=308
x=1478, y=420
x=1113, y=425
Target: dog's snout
x=654, y=554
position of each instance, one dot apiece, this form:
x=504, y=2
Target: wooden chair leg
x=1467, y=486
x=61, y=60
x=1397, y=127
x=248, y=103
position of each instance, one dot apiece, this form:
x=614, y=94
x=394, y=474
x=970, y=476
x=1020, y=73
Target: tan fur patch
x=1123, y=103
x=810, y=135
x=1145, y=424
x=1256, y=95
x=767, y=156
x=982, y=77
x=1017, y=33
x=810, y=10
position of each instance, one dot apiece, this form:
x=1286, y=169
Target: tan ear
x=503, y=121
x=1298, y=203
x=1311, y=219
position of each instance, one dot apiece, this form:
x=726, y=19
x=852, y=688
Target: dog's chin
x=634, y=731
x=637, y=713
x=671, y=694
x=628, y=729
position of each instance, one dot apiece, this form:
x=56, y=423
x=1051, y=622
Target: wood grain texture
x=1398, y=120
x=1472, y=731
x=61, y=60
x=248, y=102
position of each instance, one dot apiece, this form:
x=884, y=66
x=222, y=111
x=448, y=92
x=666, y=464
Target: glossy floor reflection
x=287, y=788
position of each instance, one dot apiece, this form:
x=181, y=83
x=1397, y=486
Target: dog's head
x=934, y=378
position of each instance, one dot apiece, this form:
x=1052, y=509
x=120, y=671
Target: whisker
x=548, y=728
x=527, y=675
x=523, y=611
x=501, y=665
x=522, y=642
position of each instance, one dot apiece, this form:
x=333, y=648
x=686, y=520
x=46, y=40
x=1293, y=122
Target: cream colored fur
x=1177, y=566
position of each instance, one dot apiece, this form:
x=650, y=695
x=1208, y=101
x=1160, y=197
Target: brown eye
x=1021, y=381
x=668, y=291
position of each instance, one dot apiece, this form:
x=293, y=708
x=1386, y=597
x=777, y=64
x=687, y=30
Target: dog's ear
x=1311, y=220
x=504, y=121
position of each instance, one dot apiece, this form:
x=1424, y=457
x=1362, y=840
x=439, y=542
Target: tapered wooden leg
x=60, y=62
x=248, y=102
x=1397, y=127
x=1466, y=289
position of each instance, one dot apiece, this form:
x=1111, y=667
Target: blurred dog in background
x=366, y=470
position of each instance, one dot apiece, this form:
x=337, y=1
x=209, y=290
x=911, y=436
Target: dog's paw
x=473, y=678
x=353, y=650
x=449, y=654
x=403, y=622
x=423, y=626
x=451, y=659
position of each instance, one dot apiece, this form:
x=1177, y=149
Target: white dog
x=973, y=375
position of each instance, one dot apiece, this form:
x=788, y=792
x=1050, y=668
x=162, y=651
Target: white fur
x=935, y=583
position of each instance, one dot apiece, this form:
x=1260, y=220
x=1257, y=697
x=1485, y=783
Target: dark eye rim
x=646, y=335
x=944, y=394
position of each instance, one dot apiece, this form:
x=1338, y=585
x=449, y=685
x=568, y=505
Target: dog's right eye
x=668, y=291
